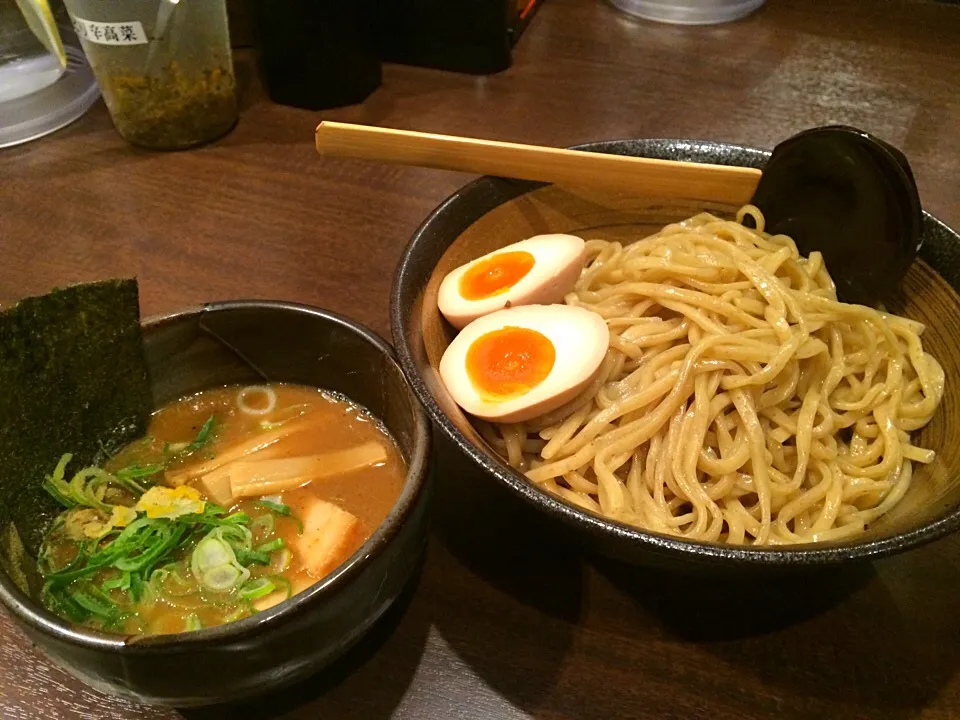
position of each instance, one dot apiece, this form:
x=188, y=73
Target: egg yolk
x=495, y=275
x=509, y=362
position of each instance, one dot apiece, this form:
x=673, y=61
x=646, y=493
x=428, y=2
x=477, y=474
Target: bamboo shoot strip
x=256, y=478
x=266, y=445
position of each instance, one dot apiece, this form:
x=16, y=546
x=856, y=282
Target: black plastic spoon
x=834, y=189
x=851, y=196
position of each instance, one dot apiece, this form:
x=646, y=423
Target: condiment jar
x=165, y=67
x=317, y=54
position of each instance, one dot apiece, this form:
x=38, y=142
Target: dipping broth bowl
x=249, y=342
x=490, y=213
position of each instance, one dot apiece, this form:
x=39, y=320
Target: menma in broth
x=237, y=498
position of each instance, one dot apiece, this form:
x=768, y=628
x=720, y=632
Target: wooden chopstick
x=640, y=176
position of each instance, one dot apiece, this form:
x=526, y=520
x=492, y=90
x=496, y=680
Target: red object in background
x=527, y=9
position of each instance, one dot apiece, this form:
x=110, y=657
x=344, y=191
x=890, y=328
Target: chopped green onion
x=147, y=561
x=102, y=596
x=221, y=578
x=139, y=471
x=252, y=557
x=57, y=486
x=136, y=587
x=47, y=568
x=118, y=583
x=177, y=577
x=281, y=509
x=258, y=588
x=278, y=508
x=59, y=602
x=237, y=535
x=281, y=560
x=128, y=476
x=265, y=521
x=175, y=451
x=193, y=623
x=103, y=609
x=214, y=563
x=88, y=486
x=211, y=510
x=281, y=580
x=212, y=552
x=169, y=583
x=277, y=544
x=161, y=536
x=203, y=437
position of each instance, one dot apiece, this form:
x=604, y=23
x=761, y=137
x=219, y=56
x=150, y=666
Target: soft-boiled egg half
x=518, y=363
x=536, y=271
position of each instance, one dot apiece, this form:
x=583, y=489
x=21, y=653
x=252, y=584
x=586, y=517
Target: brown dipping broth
x=367, y=493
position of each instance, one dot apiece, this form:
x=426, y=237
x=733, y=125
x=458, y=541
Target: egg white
x=558, y=260
x=580, y=338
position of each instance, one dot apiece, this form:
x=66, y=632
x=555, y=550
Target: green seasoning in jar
x=165, y=67
x=172, y=107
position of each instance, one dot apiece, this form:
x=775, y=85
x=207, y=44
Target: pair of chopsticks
x=641, y=176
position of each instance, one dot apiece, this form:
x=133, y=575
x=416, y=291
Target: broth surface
x=176, y=600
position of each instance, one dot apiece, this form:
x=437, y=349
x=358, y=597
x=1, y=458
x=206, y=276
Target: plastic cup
x=688, y=12
x=26, y=66
x=165, y=68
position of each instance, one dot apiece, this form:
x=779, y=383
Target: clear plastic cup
x=26, y=66
x=688, y=12
x=164, y=67
x=45, y=82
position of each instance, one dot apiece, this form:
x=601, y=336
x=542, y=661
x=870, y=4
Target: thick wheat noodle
x=739, y=401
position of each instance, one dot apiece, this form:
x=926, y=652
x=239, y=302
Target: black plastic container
x=317, y=54
x=255, y=341
x=473, y=36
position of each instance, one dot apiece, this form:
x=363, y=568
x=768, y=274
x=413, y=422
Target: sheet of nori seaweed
x=73, y=378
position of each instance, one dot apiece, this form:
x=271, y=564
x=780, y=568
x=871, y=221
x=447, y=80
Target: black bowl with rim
x=492, y=212
x=242, y=342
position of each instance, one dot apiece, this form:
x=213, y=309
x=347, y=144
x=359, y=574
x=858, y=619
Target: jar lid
x=688, y=12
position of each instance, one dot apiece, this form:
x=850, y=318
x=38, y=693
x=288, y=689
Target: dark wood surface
x=505, y=621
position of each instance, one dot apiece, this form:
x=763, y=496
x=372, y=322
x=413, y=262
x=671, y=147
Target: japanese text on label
x=119, y=33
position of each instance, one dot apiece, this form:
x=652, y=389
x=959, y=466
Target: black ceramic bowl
x=238, y=342
x=493, y=212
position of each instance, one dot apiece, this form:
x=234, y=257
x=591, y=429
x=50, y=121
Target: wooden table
x=505, y=622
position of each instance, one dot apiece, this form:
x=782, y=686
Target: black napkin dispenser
x=472, y=36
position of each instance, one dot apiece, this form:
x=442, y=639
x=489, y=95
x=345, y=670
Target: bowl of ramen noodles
x=676, y=387
x=269, y=510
